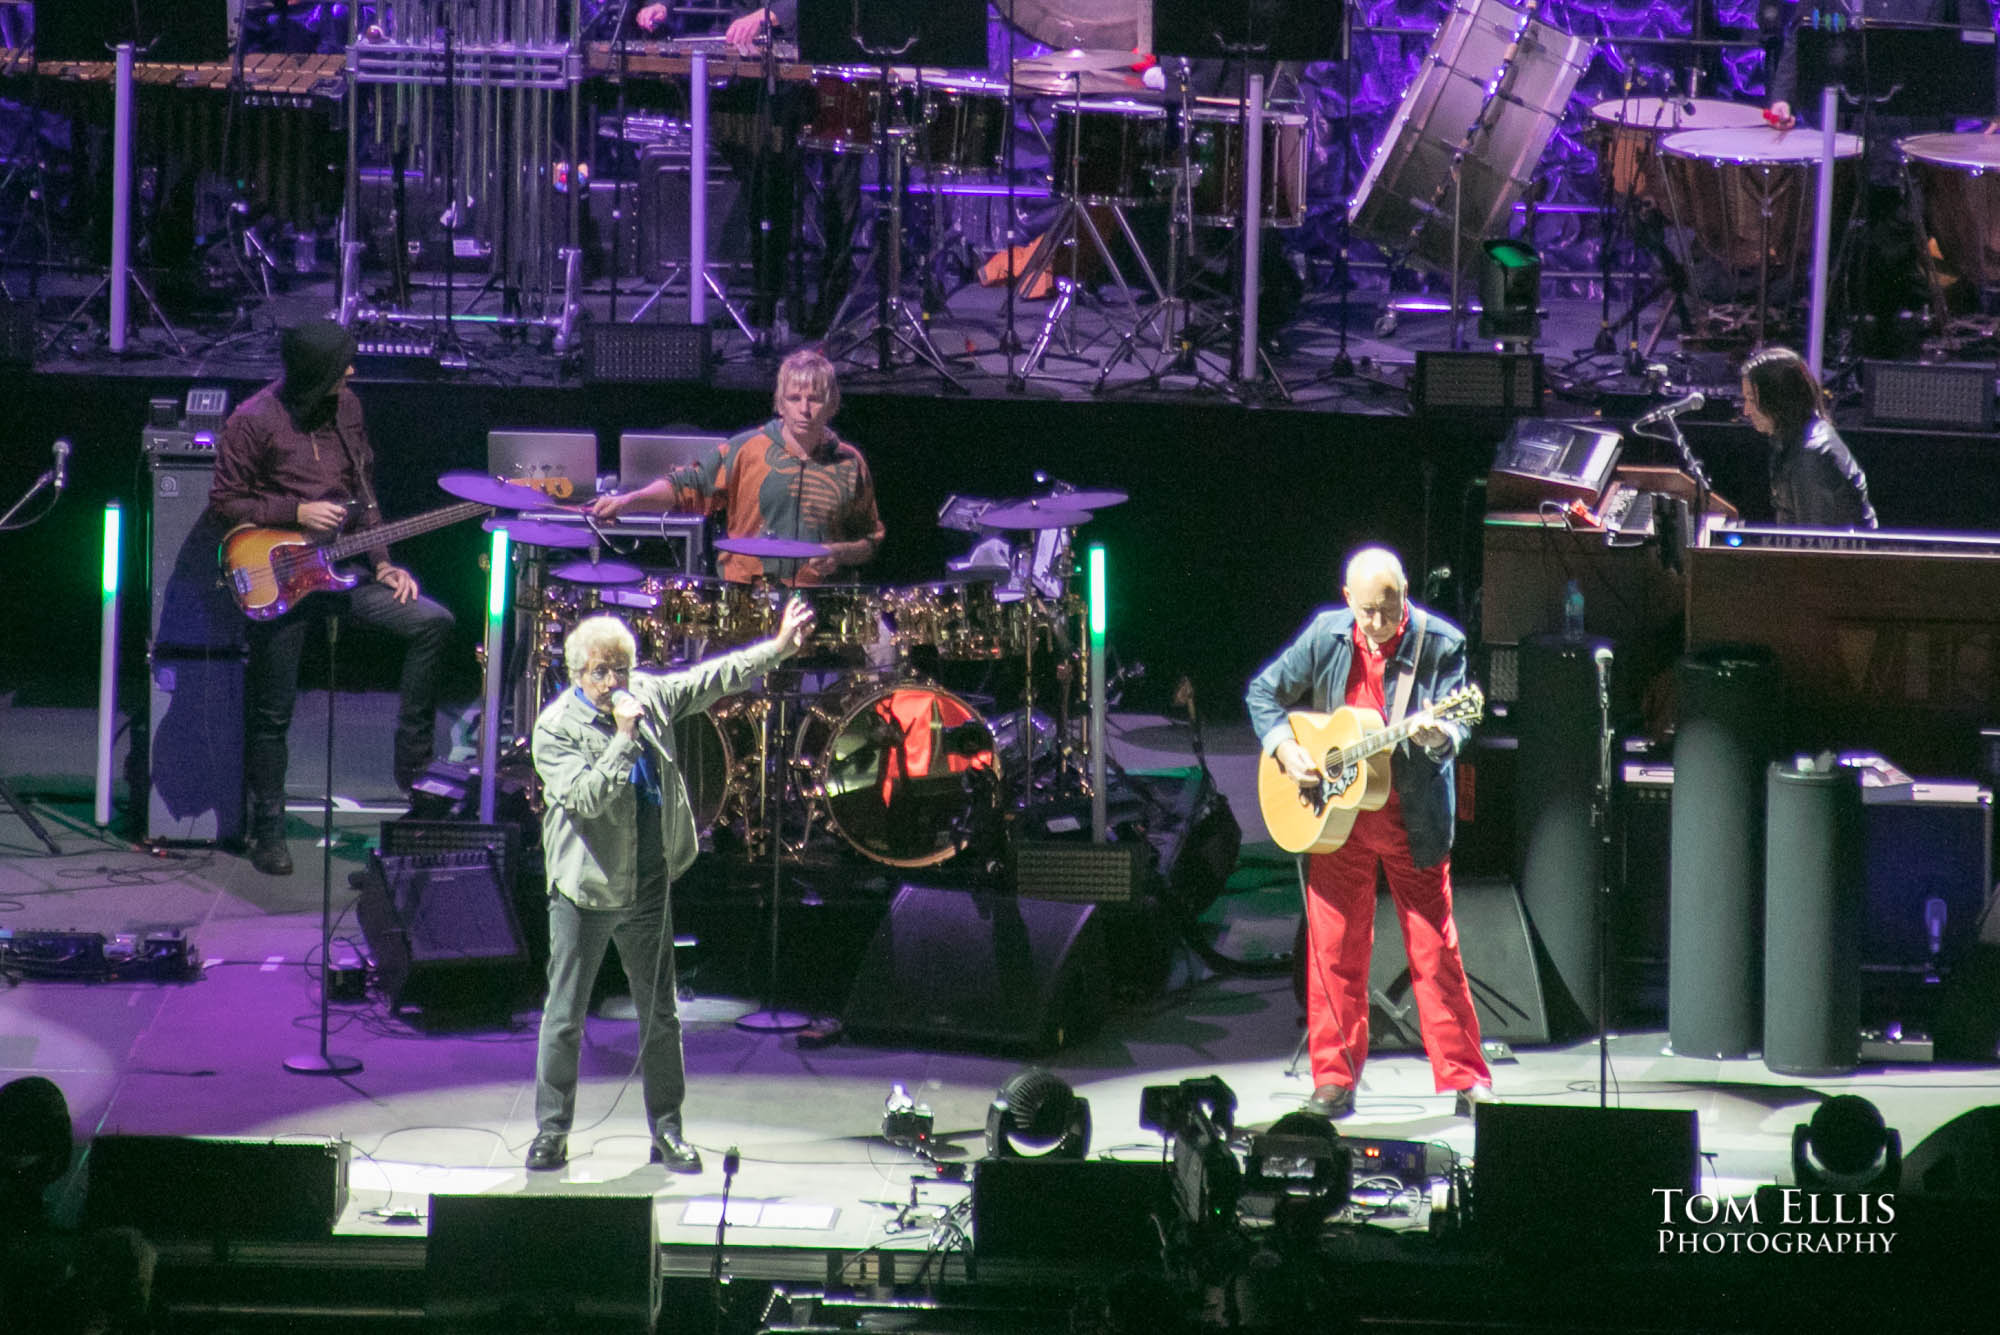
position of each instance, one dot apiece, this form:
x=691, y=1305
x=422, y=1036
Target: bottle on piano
x=1572, y=611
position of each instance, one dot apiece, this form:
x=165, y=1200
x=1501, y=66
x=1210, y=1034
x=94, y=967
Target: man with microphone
x=617, y=828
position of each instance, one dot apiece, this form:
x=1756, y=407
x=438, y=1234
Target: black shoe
x=675, y=1153
x=1332, y=1101
x=1471, y=1097
x=549, y=1152
x=270, y=854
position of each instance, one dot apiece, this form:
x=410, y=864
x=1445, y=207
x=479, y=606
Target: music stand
x=1904, y=70
x=1267, y=29
x=175, y=33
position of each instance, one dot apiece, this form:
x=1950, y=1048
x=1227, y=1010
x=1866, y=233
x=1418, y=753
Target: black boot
x=269, y=853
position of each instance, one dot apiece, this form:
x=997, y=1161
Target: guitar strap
x=1407, y=679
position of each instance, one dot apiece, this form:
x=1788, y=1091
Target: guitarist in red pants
x=1380, y=652
x=296, y=455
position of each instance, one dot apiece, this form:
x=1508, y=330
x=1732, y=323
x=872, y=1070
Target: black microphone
x=61, y=478
x=1687, y=403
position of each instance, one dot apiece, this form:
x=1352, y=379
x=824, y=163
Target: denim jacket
x=590, y=838
x=1312, y=674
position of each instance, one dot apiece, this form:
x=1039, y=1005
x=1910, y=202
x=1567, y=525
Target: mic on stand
x=1601, y=656
x=1687, y=403
x=60, y=479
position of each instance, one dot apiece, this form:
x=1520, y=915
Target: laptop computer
x=645, y=455
x=563, y=464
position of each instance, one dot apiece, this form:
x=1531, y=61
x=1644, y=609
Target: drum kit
x=854, y=739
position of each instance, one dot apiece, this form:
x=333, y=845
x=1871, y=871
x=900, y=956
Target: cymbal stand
x=1171, y=314
x=892, y=322
x=1074, y=223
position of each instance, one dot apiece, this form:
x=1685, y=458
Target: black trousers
x=272, y=685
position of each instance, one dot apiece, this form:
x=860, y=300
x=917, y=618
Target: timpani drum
x=961, y=125
x=1956, y=181
x=1117, y=146
x=1216, y=137
x=906, y=771
x=1631, y=129
x=1746, y=196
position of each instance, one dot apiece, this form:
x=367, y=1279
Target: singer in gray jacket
x=616, y=829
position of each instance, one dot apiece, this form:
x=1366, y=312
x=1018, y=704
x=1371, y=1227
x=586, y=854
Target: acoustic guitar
x=1352, y=747
x=269, y=570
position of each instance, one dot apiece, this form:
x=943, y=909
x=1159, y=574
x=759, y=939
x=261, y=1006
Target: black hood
x=315, y=355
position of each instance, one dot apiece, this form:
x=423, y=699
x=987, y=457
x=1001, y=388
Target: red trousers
x=1340, y=921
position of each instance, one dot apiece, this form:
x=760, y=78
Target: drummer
x=790, y=478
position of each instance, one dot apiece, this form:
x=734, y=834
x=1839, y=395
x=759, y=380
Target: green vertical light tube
x=107, y=656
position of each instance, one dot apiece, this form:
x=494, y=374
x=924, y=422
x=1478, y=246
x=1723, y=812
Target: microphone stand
x=324, y=1062
x=1600, y=816
x=731, y=1161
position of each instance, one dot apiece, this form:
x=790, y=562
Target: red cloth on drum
x=1340, y=914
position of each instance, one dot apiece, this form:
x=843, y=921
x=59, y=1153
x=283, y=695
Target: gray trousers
x=644, y=935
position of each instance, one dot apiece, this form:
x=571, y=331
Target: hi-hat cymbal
x=1093, y=498
x=598, y=572
x=1033, y=515
x=541, y=533
x=496, y=492
x=1068, y=62
x=773, y=547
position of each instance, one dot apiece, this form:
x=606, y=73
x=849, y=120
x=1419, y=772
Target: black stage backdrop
x=1234, y=533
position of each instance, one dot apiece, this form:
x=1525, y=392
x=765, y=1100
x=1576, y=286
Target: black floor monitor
x=947, y=33
x=181, y=32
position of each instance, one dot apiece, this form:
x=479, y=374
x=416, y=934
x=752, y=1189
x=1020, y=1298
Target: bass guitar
x=1352, y=749
x=269, y=570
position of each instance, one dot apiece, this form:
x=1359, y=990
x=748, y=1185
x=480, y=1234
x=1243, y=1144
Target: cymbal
x=1078, y=83
x=539, y=533
x=1074, y=59
x=1033, y=515
x=1092, y=498
x=496, y=492
x=598, y=572
x=772, y=547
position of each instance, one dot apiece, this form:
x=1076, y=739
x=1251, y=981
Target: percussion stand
x=1073, y=222
x=892, y=321
x=1178, y=353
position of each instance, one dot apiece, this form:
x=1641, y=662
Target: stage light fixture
x=1846, y=1147
x=1036, y=1115
x=1510, y=292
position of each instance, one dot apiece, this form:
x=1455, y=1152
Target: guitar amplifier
x=191, y=607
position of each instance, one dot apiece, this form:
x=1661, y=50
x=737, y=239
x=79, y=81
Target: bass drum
x=906, y=772
x=710, y=748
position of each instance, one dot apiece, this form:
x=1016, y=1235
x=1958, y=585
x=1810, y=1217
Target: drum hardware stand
x=31, y=170
x=121, y=279
x=1073, y=221
x=1179, y=353
x=892, y=321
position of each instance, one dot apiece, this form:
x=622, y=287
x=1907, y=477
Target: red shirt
x=1365, y=676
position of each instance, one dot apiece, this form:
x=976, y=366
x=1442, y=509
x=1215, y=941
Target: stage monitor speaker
x=645, y=354
x=175, y=1187
x=665, y=179
x=980, y=971
x=194, y=751
x=1578, y=1182
x=1500, y=964
x=191, y=606
x=542, y=1263
x=1044, y=1210
x=443, y=930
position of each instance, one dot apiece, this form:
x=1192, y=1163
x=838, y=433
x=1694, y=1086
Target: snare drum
x=1117, y=145
x=847, y=104
x=961, y=125
x=1215, y=148
x=960, y=621
x=905, y=772
x=1956, y=179
x=1747, y=195
x=1632, y=128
